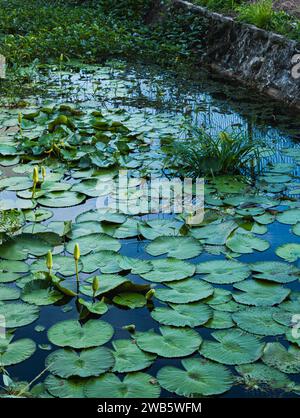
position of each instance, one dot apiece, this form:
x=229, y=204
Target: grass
x=206, y=154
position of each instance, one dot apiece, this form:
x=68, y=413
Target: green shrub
x=206, y=154
x=259, y=14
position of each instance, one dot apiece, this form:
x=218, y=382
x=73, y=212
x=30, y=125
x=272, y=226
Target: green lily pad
x=130, y=299
x=184, y=291
x=61, y=264
x=18, y=248
x=136, y=265
x=289, y=252
x=215, y=233
x=13, y=266
x=168, y=270
x=155, y=228
x=19, y=314
x=220, y=320
x=15, y=352
x=259, y=320
x=219, y=296
x=171, y=342
x=246, y=243
x=260, y=376
x=91, y=362
x=134, y=385
x=108, y=282
x=71, y=334
x=106, y=261
x=199, y=378
x=177, y=247
x=94, y=242
x=192, y=314
x=40, y=293
x=260, y=293
x=275, y=271
x=61, y=199
x=223, y=271
x=8, y=293
x=65, y=388
x=290, y=217
x=101, y=216
x=97, y=308
x=232, y=347
x=285, y=360
x=129, y=358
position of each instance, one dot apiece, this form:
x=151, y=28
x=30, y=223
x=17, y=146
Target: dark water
x=207, y=103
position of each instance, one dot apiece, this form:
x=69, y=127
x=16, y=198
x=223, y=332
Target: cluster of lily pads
x=228, y=322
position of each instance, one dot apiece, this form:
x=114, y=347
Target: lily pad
x=246, y=243
x=259, y=320
x=15, y=352
x=129, y=358
x=8, y=293
x=91, y=362
x=61, y=199
x=94, y=242
x=289, y=252
x=71, y=334
x=97, y=308
x=215, y=233
x=39, y=292
x=177, y=247
x=260, y=293
x=130, y=300
x=275, y=271
x=285, y=360
x=232, y=347
x=106, y=261
x=192, y=314
x=290, y=217
x=220, y=320
x=18, y=248
x=171, y=342
x=19, y=314
x=200, y=378
x=223, y=271
x=65, y=388
x=168, y=270
x=61, y=264
x=184, y=291
x=134, y=385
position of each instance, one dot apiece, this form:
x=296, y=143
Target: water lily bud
x=149, y=294
x=76, y=252
x=49, y=261
x=43, y=173
x=61, y=58
x=96, y=284
x=130, y=328
x=20, y=117
x=35, y=175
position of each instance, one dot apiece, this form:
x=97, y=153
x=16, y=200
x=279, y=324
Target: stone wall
x=264, y=60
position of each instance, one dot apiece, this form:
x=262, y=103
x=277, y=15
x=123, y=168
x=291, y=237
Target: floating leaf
x=61, y=199
x=39, y=292
x=18, y=248
x=287, y=361
x=223, y=271
x=8, y=293
x=134, y=385
x=184, y=291
x=71, y=334
x=171, y=342
x=215, y=233
x=19, y=314
x=90, y=362
x=168, y=270
x=94, y=242
x=200, y=378
x=245, y=243
x=289, y=252
x=220, y=320
x=275, y=271
x=129, y=358
x=15, y=352
x=105, y=261
x=155, y=228
x=192, y=314
x=290, y=217
x=260, y=293
x=61, y=264
x=97, y=308
x=258, y=321
x=178, y=247
x=233, y=347
x=130, y=300
x=65, y=388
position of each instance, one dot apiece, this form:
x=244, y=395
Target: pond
x=223, y=320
